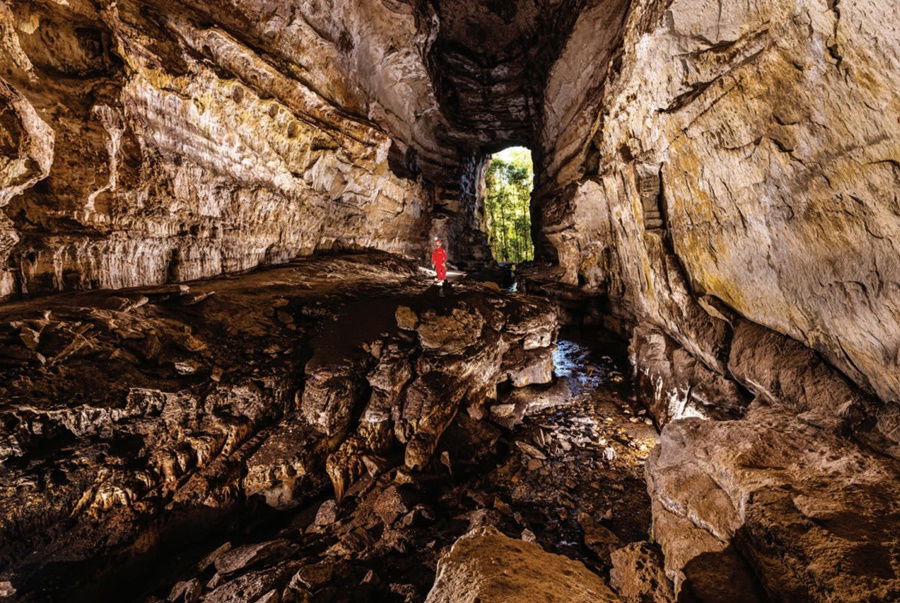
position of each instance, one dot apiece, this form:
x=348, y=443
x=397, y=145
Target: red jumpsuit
x=438, y=258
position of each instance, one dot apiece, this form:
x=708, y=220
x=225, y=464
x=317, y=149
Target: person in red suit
x=439, y=261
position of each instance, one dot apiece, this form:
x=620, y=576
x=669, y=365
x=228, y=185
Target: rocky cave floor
x=568, y=475
x=189, y=441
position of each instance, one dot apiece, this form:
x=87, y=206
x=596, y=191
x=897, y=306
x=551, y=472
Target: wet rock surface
x=715, y=182
x=329, y=429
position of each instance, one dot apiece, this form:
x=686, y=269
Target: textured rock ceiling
x=148, y=142
x=489, y=63
x=157, y=141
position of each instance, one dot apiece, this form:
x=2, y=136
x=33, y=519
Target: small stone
x=134, y=304
x=502, y=506
x=30, y=338
x=407, y=591
x=609, y=453
x=503, y=410
x=531, y=450
x=376, y=349
x=314, y=575
x=374, y=466
x=403, y=477
x=210, y=559
x=186, y=367
x=389, y=505
x=189, y=343
x=190, y=300
x=244, y=556
x=406, y=318
x=187, y=591
x=273, y=596
x=327, y=513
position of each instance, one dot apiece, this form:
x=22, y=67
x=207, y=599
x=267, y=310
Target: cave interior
x=227, y=373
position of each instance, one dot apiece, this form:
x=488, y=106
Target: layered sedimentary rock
x=776, y=498
x=756, y=171
x=168, y=142
x=157, y=142
x=716, y=180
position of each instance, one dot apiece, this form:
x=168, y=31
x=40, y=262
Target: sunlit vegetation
x=510, y=179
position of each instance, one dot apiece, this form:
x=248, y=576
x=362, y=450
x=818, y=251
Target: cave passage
x=665, y=365
x=509, y=180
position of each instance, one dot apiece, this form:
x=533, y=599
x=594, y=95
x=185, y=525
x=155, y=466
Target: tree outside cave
x=509, y=181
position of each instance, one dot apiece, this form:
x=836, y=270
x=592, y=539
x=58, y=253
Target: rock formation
x=739, y=206
x=715, y=182
x=487, y=566
x=128, y=414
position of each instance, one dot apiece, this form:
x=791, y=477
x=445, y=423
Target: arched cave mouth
x=506, y=203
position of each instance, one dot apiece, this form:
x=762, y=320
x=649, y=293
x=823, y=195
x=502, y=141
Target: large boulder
x=775, y=499
x=487, y=567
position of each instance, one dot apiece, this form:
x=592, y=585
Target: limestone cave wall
x=735, y=199
x=725, y=177
x=746, y=160
x=148, y=142
x=151, y=142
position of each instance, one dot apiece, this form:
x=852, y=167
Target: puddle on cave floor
x=588, y=493
x=569, y=476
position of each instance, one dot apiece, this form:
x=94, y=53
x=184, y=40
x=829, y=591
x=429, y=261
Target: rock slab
x=488, y=567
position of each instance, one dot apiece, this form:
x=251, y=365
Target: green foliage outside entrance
x=507, y=205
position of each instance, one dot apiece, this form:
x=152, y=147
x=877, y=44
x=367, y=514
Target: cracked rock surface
x=395, y=534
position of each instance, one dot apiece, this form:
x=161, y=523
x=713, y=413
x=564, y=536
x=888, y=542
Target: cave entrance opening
x=509, y=180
